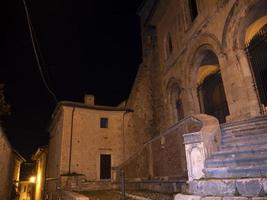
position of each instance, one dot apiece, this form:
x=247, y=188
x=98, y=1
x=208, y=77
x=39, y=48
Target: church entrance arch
x=256, y=48
x=210, y=88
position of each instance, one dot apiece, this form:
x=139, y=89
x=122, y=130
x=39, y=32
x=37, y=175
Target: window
x=103, y=122
x=193, y=9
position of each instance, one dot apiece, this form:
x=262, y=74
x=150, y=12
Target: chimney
x=89, y=99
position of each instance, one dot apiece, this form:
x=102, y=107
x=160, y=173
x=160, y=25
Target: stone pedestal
x=200, y=145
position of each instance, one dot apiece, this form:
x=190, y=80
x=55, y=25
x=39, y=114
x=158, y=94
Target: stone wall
x=40, y=158
x=54, y=155
x=6, y=166
x=89, y=140
x=162, y=157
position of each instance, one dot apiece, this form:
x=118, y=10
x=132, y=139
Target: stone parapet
x=200, y=145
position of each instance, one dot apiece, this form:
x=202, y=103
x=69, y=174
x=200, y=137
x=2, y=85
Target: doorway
x=256, y=49
x=105, y=166
x=210, y=88
x=212, y=97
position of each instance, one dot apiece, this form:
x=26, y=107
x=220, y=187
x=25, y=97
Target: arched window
x=193, y=9
x=175, y=102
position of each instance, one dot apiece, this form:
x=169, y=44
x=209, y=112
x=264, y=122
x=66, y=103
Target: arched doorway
x=210, y=89
x=256, y=48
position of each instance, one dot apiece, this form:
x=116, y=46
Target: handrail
x=175, y=126
x=166, y=132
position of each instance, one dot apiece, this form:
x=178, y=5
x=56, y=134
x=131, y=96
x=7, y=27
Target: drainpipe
x=71, y=135
x=123, y=137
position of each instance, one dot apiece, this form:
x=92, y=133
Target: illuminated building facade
x=199, y=99
x=40, y=158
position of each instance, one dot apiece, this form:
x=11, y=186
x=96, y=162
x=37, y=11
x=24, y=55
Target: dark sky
x=87, y=46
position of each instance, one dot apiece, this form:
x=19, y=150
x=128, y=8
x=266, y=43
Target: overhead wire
x=42, y=60
x=34, y=42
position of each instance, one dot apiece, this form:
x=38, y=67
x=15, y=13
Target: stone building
x=199, y=101
x=204, y=68
x=40, y=158
x=10, y=159
x=85, y=139
x=189, y=44
x=26, y=190
x=5, y=172
x=10, y=162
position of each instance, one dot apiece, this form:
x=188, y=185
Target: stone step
x=244, y=122
x=257, y=159
x=245, y=129
x=244, y=133
x=199, y=197
x=236, y=172
x=245, y=138
x=248, y=131
x=245, y=144
x=238, y=153
x=245, y=187
x=244, y=126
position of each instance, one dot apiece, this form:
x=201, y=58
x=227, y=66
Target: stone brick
x=213, y=187
x=264, y=185
x=249, y=187
x=211, y=198
x=186, y=197
x=235, y=198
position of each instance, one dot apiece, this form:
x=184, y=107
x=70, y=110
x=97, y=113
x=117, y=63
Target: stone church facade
x=182, y=50
x=206, y=60
x=199, y=96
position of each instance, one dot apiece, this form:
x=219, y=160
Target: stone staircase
x=243, y=151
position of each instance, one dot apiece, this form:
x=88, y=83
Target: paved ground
x=103, y=195
x=152, y=195
x=114, y=195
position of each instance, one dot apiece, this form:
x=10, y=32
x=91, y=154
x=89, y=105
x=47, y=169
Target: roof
x=91, y=107
x=39, y=152
x=85, y=106
x=19, y=156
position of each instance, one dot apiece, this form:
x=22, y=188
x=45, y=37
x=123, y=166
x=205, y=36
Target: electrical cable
x=42, y=60
x=35, y=51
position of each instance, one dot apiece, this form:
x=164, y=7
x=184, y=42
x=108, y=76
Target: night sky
x=87, y=46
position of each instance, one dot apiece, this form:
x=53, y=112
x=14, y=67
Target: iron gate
x=256, y=50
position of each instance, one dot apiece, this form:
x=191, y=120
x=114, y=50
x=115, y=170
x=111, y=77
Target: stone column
x=238, y=84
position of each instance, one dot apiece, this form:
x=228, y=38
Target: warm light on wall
x=254, y=28
x=205, y=71
x=39, y=176
x=32, y=179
